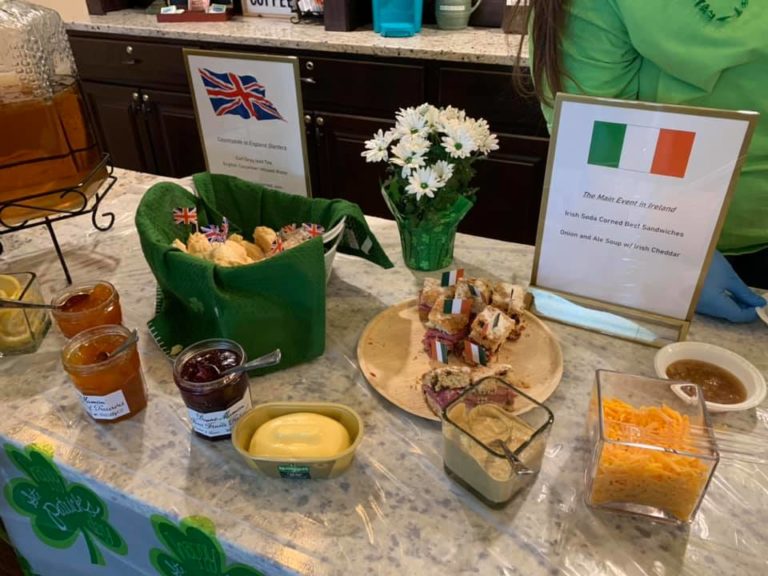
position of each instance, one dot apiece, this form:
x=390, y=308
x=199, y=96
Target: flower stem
x=96, y=556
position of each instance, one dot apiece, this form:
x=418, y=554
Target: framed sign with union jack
x=250, y=117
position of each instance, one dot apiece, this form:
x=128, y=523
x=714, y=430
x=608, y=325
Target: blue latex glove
x=725, y=295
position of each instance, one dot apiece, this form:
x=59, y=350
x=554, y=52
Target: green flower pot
x=428, y=243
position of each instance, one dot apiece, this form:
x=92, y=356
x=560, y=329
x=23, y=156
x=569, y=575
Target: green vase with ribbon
x=427, y=242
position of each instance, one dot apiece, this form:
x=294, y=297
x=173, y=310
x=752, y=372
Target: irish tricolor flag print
x=660, y=151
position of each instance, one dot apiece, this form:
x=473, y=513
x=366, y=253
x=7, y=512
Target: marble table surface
x=394, y=511
x=481, y=45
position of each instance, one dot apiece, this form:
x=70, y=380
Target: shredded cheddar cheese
x=663, y=480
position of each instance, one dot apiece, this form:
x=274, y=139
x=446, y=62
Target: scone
x=491, y=328
x=442, y=386
x=229, y=253
x=198, y=244
x=264, y=237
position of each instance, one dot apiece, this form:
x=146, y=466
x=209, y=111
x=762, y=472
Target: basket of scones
x=240, y=261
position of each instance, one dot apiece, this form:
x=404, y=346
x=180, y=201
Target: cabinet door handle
x=134, y=102
x=145, y=106
x=309, y=80
x=307, y=119
x=129, y=49
x=320, y=121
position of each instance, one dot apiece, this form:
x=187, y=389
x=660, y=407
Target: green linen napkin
x=276, y=303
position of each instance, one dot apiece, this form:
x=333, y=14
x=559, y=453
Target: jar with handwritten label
x=103, y=364
x=214, y=402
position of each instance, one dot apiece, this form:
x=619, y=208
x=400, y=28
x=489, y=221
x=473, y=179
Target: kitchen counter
x=479, y=45
x=394, y=511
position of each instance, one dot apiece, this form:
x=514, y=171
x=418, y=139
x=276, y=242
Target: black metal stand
x=81, y=204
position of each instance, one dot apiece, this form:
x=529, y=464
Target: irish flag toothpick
x=450, y=277
x=474, y=353
x=457, y=306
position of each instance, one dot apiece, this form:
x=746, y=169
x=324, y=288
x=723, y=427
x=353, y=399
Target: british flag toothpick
x=277, y=246
x=314, y=230
x=185, y=215
x=288, y=229
x=213, y=233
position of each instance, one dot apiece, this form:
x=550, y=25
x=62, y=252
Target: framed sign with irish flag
x=634, y=198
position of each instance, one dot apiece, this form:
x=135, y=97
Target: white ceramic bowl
x=331, y=240
x=753, y=380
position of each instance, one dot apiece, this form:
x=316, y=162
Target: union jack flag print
x=314, y=230
x=239, y=95
x=185, y=215
x=213, y=233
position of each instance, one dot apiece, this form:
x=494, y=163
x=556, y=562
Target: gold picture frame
x=637, y=325
x=293, y=61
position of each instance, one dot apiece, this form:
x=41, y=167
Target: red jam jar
x=214, y=403
x=111, y=386
x=85, y=306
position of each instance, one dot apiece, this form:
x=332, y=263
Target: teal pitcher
x=454, y=14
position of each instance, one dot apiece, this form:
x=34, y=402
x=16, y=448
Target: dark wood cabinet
x=138, y=93
x=341, y=171
x=114, y=109
x=173, y=133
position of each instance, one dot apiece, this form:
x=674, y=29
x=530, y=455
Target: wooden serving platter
x=392, y=358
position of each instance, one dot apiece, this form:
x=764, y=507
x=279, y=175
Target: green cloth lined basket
x=276, y=303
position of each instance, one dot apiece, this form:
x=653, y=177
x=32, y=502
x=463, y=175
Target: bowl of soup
x=729, y=382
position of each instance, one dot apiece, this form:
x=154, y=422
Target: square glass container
x=21, y=329
x=477, y=426
x=653, y=447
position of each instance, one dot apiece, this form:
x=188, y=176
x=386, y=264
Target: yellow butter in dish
x=299, y=435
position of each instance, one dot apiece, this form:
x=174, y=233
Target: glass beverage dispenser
x=47, y=142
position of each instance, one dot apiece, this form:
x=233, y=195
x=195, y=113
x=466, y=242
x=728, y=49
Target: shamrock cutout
x=59, y=510
x=193, y=550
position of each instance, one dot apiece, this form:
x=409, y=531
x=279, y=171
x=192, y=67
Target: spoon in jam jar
x=69, y=303
x=103, y=356
x=270, y=359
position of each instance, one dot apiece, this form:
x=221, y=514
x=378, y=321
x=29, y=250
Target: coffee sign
x=267, y=7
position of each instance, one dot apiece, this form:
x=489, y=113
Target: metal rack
x=83, y=204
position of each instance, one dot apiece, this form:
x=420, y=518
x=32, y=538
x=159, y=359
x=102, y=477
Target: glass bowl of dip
x=489, y=448
x=729, y=381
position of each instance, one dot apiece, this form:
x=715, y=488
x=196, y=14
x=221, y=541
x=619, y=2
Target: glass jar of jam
x=109, y=381
x=85, y=306
x=214, y=403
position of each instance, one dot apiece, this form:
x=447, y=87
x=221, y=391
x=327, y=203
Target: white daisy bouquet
x=430, y=153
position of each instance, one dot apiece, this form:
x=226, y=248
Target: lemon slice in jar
x=13, y=325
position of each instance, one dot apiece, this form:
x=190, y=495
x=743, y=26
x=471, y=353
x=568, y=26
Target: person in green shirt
x=708, y=53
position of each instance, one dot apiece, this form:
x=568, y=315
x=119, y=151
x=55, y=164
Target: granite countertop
x=480, y=45
x=394, y=511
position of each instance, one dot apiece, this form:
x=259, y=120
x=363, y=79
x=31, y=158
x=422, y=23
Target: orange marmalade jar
x=85, y=306
x=111, y=386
